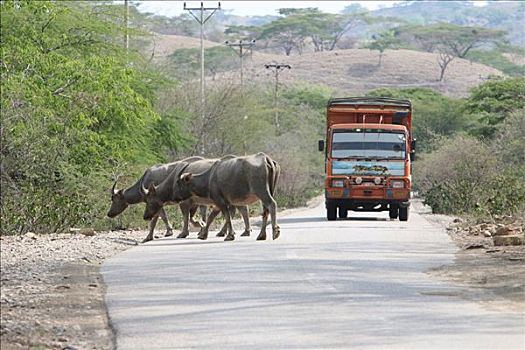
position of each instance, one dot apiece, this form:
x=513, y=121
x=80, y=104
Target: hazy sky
x=243, y=8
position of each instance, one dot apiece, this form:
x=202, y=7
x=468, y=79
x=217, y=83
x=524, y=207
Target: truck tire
x=331, y=212
x=343, y=213
x=393, y=211
x=403, y=214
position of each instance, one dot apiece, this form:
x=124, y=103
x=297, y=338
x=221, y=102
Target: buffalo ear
x=186, y=177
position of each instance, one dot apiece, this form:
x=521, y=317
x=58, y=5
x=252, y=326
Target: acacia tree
x=383, y=41
x=449, y=40
x=287, y=32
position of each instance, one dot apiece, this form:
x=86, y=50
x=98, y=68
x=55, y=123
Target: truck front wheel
x=343, y=213
x=403, y=214
x=331, y=212
x=392, y=211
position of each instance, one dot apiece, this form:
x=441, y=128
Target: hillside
x=355, y=71
x=164, y=45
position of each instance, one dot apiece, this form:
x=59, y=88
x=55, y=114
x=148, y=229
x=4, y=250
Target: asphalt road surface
x=358, y=283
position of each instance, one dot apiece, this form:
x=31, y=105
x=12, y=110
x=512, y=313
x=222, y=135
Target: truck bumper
x=361, y=204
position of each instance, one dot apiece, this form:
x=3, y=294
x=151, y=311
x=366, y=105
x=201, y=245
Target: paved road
x=358, y=283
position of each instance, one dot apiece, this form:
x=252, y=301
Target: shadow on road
x=323, y=219
x=182, y=241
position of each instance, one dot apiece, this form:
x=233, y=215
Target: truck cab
x=369, y=150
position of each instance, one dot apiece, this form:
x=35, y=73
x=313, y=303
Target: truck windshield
x=368, y=144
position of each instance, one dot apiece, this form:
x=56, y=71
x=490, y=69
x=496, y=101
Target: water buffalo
x=121, y=199
x=231, y=181
x=165, y=193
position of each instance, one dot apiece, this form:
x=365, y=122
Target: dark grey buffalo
x=121, y=199
x=231, y=181
x=166, y=193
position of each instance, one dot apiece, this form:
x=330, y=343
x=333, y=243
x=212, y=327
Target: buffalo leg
x=262, y=234
x=164, y=217
x=202, y=211
x=224, y=229
x=226, y=212
x=276, y=230
x=270, y=205
x=203, y=234
x=185, y=209
x=245, y=216
x=152, y=225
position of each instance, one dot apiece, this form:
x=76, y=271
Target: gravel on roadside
x=52, y=295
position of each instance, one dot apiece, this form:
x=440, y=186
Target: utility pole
x=240, y=52
x=276, y=69
x=126, y=20
x=202, y=19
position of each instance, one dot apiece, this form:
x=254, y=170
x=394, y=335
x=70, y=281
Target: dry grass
x=355, y=71
x=164, y=45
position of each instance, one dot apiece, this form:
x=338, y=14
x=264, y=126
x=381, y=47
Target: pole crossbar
x=243, y=48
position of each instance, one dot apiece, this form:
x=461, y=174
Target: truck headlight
x=377, y=181
x=338, y=183
x=358, y=180
x=397, y=184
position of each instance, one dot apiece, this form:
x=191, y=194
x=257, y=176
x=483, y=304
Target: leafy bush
x=495, y=58
x=75, y=108
x=491, y=103
x=465, y=176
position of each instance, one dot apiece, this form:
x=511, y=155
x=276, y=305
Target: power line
x=246, y=45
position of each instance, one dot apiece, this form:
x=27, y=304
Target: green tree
x=382, y=42
x=74, y=110
x=288, y=33
x=448, y=40
x=492, y=102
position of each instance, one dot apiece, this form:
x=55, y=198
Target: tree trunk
x=444, y=60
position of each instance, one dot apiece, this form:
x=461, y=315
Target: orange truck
x=369, y=151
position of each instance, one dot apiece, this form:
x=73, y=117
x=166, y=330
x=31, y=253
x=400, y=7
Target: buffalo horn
x=113, y=191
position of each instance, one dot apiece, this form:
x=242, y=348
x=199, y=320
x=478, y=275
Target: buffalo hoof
x=183, y=235
x=229, y=237
x=246, y=233
x=169, y=233
x=276, y=234
x=261, y=236
x=201, y=237
x=147, y=239
x=221, y=233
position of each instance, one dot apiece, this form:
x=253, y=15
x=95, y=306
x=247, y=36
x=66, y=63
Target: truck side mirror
x=412, y=156
x=413, y=145
x=321, y=145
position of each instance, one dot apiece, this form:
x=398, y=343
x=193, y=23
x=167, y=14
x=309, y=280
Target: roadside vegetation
x=470, y=151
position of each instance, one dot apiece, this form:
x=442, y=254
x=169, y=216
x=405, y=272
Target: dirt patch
x=492, y=275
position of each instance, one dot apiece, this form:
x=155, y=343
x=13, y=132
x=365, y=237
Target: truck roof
x=369, y=101
x=369, y=126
